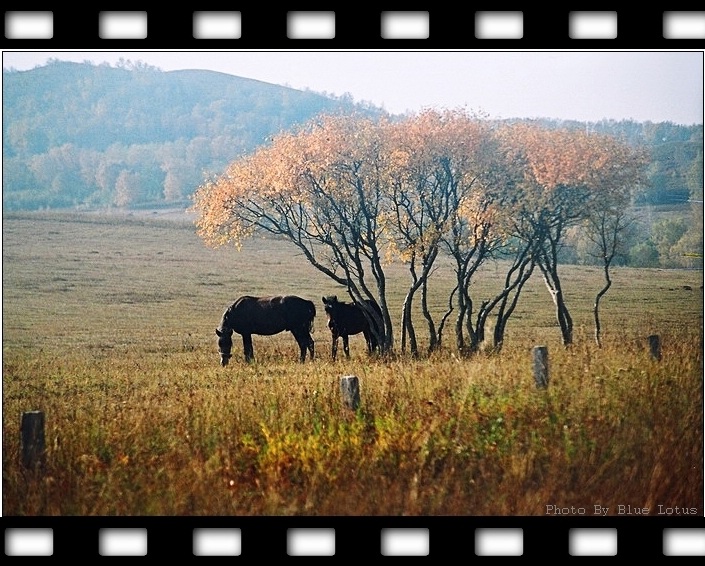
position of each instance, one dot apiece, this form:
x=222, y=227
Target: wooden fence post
x=33, y=445
x=541, y=366
x=655, y=346
x=350, y=390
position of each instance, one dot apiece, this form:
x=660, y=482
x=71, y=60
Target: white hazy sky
x=652, y=86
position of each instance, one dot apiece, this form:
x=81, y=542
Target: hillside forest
x=82, y=136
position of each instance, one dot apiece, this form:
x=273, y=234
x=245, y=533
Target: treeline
x=85, y=135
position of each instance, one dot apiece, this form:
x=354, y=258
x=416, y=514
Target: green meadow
x=108, y=329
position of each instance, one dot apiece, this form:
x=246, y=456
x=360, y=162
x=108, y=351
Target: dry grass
x=108, y=329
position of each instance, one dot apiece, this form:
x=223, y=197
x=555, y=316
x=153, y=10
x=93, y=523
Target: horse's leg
x=302, y=341
x=247, y=345
x=311, y=344
x=305, y=342
x=346, y=345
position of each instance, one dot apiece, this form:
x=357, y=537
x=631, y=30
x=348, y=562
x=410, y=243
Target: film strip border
x=355, y=28
x=260, y=538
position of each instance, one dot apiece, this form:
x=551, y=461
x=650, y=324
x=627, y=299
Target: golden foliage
x=407, y=182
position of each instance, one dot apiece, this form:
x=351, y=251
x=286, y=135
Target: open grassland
x=108, y=328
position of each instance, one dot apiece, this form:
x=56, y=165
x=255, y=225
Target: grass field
x=108, y=328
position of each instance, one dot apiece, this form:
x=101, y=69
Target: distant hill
x=85, y=135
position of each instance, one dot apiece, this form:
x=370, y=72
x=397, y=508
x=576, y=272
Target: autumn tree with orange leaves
x=565, y=178
x=436, y=197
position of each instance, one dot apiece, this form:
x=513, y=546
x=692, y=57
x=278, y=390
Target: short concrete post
x=541, y=366
x=655, y=346
x=33, y=445
x=350, y=391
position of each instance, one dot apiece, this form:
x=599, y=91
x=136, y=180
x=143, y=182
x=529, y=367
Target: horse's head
x=332, y=310
x=225, y=345
x=329, y=304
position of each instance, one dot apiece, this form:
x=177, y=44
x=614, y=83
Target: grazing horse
x=266, y=316
x=345, y=319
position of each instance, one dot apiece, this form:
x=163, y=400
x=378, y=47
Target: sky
x=587, y=86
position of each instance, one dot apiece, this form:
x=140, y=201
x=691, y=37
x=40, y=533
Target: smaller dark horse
x=346, y=319
x=266, y=316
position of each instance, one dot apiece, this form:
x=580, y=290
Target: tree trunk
x=408, y=325
x=553, y=284
x=506, y=308
x=460, y=319
x=432, y=337
x=514, y=280
x=444, y=318
x=596, y=313
x=596, y=306
x=564, y=320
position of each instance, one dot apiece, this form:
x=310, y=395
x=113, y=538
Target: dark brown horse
x=346, y=319
x=266, y=316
